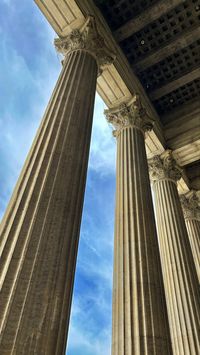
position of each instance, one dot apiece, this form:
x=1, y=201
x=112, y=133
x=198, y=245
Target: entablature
x=126, y=77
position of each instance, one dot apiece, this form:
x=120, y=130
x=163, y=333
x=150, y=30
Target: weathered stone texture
x=179, y=274
x=140, y=323
x=191, y=211
x=40, y=230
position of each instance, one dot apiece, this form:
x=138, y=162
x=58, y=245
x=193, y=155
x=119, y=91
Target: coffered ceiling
x=157, y=45
x=161, y=40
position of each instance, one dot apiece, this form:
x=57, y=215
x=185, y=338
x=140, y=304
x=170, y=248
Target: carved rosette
x=86, y=38
x=164, y=166
x=191, y=205
x=127, y=115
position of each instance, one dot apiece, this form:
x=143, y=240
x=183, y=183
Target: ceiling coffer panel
x=165, y=52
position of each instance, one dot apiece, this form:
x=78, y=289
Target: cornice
x=117, y=84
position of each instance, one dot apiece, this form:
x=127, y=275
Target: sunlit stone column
x=40, y=231
x=191, y=210
x=140, y=325
x=180, y=277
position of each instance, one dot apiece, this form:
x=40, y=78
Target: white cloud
x=103, y=146
x=89, y=335
x=7, y=2
x=20, y=119
x=84, y=343
x=84, y=337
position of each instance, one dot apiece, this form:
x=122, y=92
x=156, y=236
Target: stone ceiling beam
x=183, y=129
x=181, y=42
x=183, y=113
x=182, y=134
x=187, y=154
x=148, y=16
x=175, y=84
x=118, y=83
x=120, y=73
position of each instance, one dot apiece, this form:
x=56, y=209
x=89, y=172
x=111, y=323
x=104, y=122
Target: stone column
x=191, y=211
x=179, y=274
x=140, y=325
x=40, y=231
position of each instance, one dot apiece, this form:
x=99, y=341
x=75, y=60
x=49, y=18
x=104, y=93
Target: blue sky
x=29, y=69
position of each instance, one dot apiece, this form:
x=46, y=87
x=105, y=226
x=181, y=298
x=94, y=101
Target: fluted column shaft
x=193, y=228
x=180, y=278
x=40, y=231
x=140, y=325
x=191, y=211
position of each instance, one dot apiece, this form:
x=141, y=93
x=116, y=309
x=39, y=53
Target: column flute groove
x=40, y=230
x=140, y=324
x=25, y=189
x=35, y=148
x=180, y=278
x=191, y=211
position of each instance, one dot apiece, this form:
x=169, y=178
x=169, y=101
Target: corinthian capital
x=164, y=166
x=86, y=38
x=130, y=114
x=191, y=205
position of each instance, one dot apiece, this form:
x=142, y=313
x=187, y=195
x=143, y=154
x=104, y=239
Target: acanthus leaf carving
x=190, y=203
x=129, y=114
x=87, y=38
x=164, y=166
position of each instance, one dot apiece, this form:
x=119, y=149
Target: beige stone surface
x=187, y=154
x=39, y=254
x=63, y=15
x=140, y=325
x=179, y=274
x=183, y=126
x=118, y=82
x=193, y=228
x=191, y=211
x=40, y=230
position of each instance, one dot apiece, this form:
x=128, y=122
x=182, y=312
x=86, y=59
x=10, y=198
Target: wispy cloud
x=91, y=311
x=103, y=148
x=26, y=82
x=29, y=70
x=82, y=343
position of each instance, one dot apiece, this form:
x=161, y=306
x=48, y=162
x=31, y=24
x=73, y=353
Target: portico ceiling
x=161, y=40
x=158, y=55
